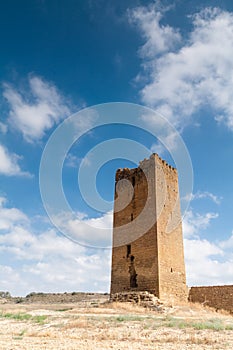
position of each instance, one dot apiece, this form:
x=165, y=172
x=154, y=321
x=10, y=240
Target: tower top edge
x=145, y=162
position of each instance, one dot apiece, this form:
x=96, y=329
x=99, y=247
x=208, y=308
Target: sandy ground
x=97, y=325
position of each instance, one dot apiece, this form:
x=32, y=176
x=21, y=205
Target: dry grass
x=20, y=316
x=113, y=326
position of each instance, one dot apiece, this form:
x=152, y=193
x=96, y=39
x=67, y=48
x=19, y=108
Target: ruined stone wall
x=219, y=297
x=151, y=231
x=132, y=243
x=144, y=299
x=172, y=278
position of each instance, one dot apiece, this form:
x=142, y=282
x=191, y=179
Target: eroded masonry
x=148, y=252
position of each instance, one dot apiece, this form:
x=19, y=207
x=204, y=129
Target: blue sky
x=59, y=57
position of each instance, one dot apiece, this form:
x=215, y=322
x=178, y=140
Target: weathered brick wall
x=172, y=277
x=158, y=254
x=219, y=297
x=142, y=247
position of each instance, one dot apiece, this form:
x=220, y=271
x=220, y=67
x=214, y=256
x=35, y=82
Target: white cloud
x=206, y=194
x=203, y=195
x=9, y=278
x=205, y=263
x=49, y=262
x=9, y=163
x=194, y=223
x=9, y=217
x=170, y=144
x=3, y=128
x=72, y=161
x=187, y=76
x=158, y=38
x=46, y=260
x=94, y=232
x=37, y=111
x=228, y=244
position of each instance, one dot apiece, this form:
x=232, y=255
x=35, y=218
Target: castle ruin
x=147, y=253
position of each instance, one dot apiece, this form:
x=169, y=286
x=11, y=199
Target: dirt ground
x=95, y=324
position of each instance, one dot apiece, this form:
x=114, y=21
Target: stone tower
x=147, y=253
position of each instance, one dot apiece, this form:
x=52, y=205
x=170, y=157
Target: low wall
x=219, y=297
